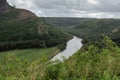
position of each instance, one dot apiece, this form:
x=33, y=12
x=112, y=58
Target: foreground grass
x=92, y=63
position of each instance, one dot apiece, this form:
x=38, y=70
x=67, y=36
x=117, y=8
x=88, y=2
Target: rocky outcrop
x=4, y=6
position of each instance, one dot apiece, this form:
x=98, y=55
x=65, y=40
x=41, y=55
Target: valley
x=20, y=27
x=57, y=48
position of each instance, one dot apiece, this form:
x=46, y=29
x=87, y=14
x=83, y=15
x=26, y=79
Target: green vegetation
x=92, y=63
x=88, y=28
x=99, y=58
x=92, y=30
x=101, y=26
x=31, y=54
x=65, y=21
x=21, y=29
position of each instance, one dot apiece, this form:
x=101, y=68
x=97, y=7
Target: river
x=72, y=47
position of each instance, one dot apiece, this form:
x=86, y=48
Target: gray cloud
x=71, y=8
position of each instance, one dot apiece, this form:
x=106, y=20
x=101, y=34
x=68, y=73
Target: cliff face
x=4, y=7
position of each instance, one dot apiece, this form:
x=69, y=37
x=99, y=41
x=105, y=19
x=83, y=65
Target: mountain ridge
x=4, y=6
x=20, y=29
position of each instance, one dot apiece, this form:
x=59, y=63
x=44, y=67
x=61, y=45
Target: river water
x=72, y=47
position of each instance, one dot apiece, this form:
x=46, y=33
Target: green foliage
x=90, y=29
x=64, y=21
x=93, y=29
x=31, y=54
x=30, y=32
x=93, y=63
x=14, y=69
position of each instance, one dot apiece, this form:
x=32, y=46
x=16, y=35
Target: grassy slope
x=31, y=53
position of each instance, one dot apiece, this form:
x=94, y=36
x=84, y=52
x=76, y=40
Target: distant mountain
x=88, y=28
x=97, y=27
x=101, y=26
x=20, y=28
x=65, y=21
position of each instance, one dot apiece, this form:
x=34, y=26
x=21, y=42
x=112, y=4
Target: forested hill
x=89, y=29
x=97, y=27
x=20, y=28
x=65, y=21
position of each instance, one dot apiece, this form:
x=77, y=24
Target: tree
x=14, y=6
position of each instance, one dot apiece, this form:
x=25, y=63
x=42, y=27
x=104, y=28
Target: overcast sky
x=71, y=8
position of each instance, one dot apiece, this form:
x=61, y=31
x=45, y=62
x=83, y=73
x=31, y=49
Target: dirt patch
x=24, y=14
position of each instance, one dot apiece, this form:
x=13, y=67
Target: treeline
x=22, y=45
x=32, y=44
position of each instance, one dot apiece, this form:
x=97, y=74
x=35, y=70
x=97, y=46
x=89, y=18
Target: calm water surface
x=72, y=47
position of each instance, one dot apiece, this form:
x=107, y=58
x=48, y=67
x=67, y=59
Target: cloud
x=93, y=2
x=71, y=8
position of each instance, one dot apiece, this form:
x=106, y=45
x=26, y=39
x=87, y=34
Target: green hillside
x=93, y=29
x=105, y=26
x=20, y=28
x=88, y=28
x=65, y=21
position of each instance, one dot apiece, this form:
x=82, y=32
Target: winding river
x=72, y=47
